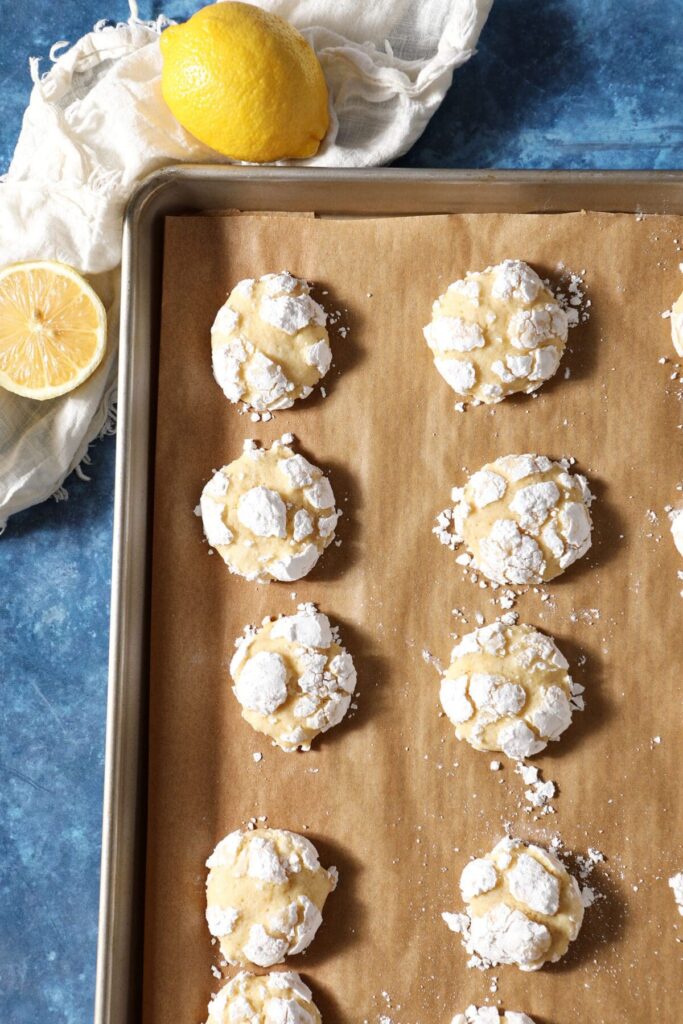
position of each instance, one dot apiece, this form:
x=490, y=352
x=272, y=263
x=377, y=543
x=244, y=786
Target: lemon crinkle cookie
x=280, y=997
x=270, y=514
x=264, y=895
x=507, y=689
x=292, y=677
x=522, y=907
x=497, y=332
x=490, y=1015
x=269, y=343
x=524, y=519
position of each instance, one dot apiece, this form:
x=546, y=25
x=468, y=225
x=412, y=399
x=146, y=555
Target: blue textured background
x=577, y=84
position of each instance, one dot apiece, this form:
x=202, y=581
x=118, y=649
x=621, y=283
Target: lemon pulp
x=52, y=329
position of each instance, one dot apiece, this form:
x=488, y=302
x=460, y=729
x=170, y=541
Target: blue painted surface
x=572, y=84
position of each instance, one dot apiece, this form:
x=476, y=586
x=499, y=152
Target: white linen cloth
x=96, y=125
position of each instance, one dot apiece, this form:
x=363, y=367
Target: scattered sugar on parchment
x=585, y=867
x=431, y=659
x=571, y=295
x=384, y=1018
x=589, y=616
x=506, y=599
x=586, y=864
x=588, y=896
x=539, y=792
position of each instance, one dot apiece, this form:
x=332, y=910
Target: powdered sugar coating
x=497, y=332
x=263, y=512
x=293, y=678
x=461, y=374
x=453, y=334
x=507, y=936
x=266, y=888
x=270, y=514
x=477, y=877
x=269, y=343
x=507, y=689
x=490, y=1015
x=676, y=520
x=291, y=313
x=487, y=487
x=527, y=917
x=676, y=886
x=216, y=530
x=531, y=884
x=514, y=279
x=677, y=325
x=262, y=683
x=277, y=998
x=523, y=518
x=222, y=920
x=299, y=471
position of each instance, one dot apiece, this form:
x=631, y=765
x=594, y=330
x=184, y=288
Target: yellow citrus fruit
x=53, y=329
x=246, y=83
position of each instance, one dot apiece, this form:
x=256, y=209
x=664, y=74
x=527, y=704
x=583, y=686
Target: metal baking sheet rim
x=199, y=188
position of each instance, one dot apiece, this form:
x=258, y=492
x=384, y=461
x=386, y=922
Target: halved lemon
x=53, y=329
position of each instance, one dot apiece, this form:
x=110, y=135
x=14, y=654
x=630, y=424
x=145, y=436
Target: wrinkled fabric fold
x=96, y=125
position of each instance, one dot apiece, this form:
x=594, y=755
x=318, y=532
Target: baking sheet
x=390, y=796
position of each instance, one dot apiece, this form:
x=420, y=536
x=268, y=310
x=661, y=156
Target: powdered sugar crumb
x=431, y=659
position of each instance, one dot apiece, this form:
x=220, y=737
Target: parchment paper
x=390, y=796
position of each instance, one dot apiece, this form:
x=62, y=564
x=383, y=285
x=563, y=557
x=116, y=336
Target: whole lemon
x=246, y=83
